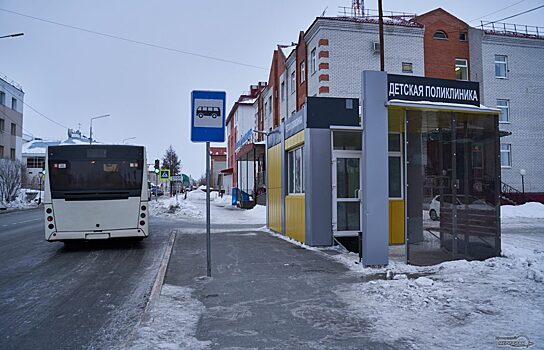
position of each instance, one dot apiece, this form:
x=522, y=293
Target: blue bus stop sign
x=208, y=116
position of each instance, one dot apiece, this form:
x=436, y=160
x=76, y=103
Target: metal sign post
x=208, y=125
x=208, y=238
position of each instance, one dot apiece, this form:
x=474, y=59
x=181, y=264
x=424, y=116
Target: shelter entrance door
x=346, y=193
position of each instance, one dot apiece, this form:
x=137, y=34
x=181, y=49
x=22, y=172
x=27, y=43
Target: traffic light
x=157, y=166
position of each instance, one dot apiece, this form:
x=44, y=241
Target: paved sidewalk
x=268, y=293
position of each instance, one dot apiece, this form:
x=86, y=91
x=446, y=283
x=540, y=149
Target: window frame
x=2, y=98
x=2, y=125
x=465, y=34
x=13, y=130
x=302, y=72
x=293, y=82
x=505, y=63
x=465, y=66
x=396, y=154
x=506, y=108
x=14, y=103
x=294, y=170
x=411, y=71
x=282, y=91
x=509, y=151
x=440, y=32
x=12, y=154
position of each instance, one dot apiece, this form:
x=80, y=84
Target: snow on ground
x=222, y=210
x=532, y=210
x=172, y=322
x=456, y=304
x=174, y=207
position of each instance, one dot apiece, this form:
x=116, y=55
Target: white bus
x=95, y=192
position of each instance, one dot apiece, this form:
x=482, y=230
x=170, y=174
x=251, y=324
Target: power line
x=499, y=10
x=14, y=122
x=43, y=115
x=517, y=14
x=112, y=36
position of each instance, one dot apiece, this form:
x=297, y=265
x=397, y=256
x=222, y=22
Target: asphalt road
x=87, y=296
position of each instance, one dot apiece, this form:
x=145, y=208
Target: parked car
x=461, y=200
x=157, y=191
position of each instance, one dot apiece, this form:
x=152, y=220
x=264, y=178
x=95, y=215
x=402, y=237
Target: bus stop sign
x=165, y=174
x=208, y=116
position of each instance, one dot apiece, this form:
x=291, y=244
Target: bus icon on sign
x=203, y=111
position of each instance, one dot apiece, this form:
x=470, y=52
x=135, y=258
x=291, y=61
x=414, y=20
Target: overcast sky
x=70, y=75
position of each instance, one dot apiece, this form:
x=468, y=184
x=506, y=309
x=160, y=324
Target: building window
x=12, y=154
x=506, y=155
x=440, y=35
x=295, y=168
x=35, y=162
x=503, y=105
x=13, y=129
x=1, y=152
x=2, y=125
x=270, y=105
x=266, y=109
x=14, y=103
x=501, y=66
x=302, y=72
x=395, y=165
x=407, y=67
x=293, y=82
x=282, y=91
x=461, y=69
x=463, y=36
x=2, y=98
x=313, y=65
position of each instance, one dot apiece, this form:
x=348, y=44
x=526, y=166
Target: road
x=86, y=296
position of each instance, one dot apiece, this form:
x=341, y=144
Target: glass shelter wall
x=453, y=183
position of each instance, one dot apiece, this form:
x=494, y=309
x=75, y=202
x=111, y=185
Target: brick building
x=11, y=119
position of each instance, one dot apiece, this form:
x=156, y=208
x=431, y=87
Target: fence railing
x=512, y=29
x=344, y=11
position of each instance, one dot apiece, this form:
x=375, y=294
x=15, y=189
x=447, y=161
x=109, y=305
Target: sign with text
x=176, y=178
x=208, y=116
x=410, y=88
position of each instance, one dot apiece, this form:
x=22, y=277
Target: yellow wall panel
x=396, y=221
x=294, y=217
x=274, y=188
x=294, y=141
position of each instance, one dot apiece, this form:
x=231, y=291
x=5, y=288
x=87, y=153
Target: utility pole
x=380, y=24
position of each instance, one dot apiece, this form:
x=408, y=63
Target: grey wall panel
x=317, y=172
x=375, y=216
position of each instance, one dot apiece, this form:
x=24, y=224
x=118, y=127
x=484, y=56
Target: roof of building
x=38, y=146
x=218, y=151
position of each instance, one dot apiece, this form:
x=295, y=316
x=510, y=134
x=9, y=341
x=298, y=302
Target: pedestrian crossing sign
x=165, y=174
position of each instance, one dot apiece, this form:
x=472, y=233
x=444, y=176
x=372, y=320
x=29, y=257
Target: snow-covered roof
x=38, y=147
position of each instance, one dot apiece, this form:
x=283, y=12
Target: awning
x=248, y=149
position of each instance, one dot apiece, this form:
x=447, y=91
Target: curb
x=19, y=209
x=159, y=280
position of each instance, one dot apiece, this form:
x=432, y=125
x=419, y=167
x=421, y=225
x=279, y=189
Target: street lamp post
x=522, y=172
x=130, y=138
x=11, y=35
x=91, y=129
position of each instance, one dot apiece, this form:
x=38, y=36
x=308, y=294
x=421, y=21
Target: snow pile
x=172, y=207
x=456, y=304
x=173, y=321
x=200, y=194
x=26, y=198
x=224, y=201
x=532, y=210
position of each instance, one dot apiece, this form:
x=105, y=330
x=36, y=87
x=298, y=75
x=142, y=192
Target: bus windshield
x=95, y=169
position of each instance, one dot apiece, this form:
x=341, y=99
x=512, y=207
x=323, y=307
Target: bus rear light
x=48, y=210
x=49, y=218
x=144, y=207
x=142, y=223
x=51, y=226
x=142, y=215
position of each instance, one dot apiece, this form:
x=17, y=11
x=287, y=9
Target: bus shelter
x=419, y=168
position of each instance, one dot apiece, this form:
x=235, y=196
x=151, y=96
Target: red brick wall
x=440, y=55
x=302, y=53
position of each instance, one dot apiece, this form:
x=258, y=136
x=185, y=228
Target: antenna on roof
x=358, y=7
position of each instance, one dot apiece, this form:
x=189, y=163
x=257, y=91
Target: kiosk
x=421, y=168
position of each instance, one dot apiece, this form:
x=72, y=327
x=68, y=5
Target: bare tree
x=11, y=172
x=171, y=161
